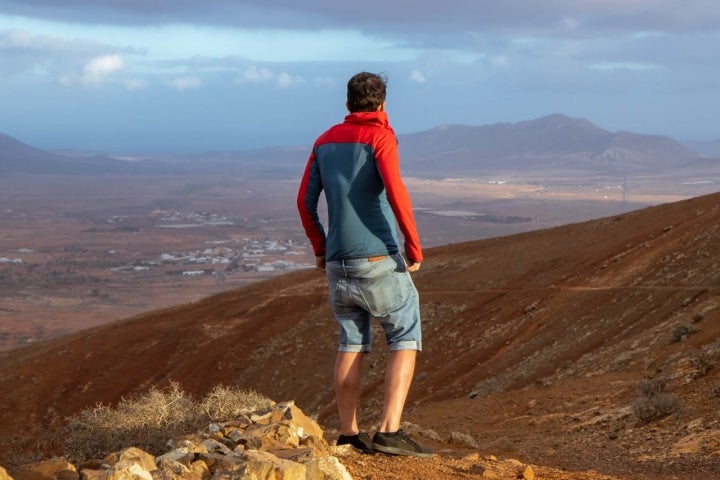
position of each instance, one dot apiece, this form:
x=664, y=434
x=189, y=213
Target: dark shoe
x=361, y=441
x=398, y=443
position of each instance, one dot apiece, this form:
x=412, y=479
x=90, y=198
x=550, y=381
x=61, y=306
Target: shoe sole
x=401, y=451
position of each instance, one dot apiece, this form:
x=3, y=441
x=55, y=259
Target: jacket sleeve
x=388, y=163
x=307, y=203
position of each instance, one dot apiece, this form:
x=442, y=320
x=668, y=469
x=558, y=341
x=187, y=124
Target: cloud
x=254, y=74
x=95, y=72
x=417, y=76
x=100, y=68
x=433, y=17
x=260, y=75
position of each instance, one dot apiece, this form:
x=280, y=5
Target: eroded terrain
x=80, y=251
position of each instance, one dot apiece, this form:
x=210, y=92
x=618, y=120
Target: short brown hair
x=366, y=92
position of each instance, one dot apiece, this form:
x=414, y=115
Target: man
x=356, y=164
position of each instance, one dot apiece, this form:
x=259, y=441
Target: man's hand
x=412, y=266
x=320, y=262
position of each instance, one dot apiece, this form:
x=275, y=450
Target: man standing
x=356, y=164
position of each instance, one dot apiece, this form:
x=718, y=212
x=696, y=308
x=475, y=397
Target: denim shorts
x=361, y=290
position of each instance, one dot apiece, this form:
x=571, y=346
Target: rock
x=490, y=474
x=266, y=465
x=4, y=475
x=213, y=446
x=53, y=469
x=216, y=462
x=273, y=436
x=528, y=473
x=200, y=469
x=327, y=468
x=173, y=470
x=134, y=455
x=464, y=439
x=292, y=413
x=182, y=455
x=281, y=444
x=93, y=474
x=343, y=450
x=128, y=471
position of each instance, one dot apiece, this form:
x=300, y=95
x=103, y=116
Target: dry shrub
x=653, y=402
x=682, y=332
x=149, y=420
x=706, y=360
x=223, y=403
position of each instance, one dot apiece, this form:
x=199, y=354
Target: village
x=235, y=253
x=222, y=256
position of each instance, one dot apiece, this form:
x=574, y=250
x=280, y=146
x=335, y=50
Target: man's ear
x=381, y=108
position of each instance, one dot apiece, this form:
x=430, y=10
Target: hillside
x=535, y=344
x=18, y=157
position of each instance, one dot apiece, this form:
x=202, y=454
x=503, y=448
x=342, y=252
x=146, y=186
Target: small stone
x=528, y=473
x=464, y=439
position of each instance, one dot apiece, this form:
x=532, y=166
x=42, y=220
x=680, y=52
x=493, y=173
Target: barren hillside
x=535, y=344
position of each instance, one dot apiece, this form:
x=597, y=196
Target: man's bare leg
x=398, y=377
x=348, y=371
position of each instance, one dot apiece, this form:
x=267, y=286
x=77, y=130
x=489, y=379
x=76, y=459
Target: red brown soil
x=534, y=344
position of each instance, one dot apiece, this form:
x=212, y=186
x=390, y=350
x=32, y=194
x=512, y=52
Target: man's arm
x=307, y=202
x=388, y=162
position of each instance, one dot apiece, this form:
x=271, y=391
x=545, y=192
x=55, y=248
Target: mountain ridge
x=17, y=157
x=555, y=141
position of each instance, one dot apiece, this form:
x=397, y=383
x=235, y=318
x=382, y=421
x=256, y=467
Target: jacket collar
x=376, y=118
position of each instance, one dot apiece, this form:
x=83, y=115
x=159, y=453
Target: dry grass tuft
x=149, y=420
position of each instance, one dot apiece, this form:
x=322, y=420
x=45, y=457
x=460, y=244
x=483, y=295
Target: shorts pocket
x=385, y=294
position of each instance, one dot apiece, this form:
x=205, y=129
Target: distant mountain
x=555, y=141
x=17, y=157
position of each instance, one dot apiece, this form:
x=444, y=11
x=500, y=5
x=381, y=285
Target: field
x=81, y=251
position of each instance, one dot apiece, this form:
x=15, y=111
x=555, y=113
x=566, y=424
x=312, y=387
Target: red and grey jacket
x=356, y=164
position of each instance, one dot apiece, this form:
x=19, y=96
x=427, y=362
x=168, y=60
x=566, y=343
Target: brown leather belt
x=377, y=259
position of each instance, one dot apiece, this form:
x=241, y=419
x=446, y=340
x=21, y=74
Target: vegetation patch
x=149, y=420
x=682, y=332
x=653, y=402
x=706, y=360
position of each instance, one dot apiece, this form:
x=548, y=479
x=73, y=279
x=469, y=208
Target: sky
x=175, y=76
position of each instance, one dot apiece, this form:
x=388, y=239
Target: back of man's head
x=366, y=92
